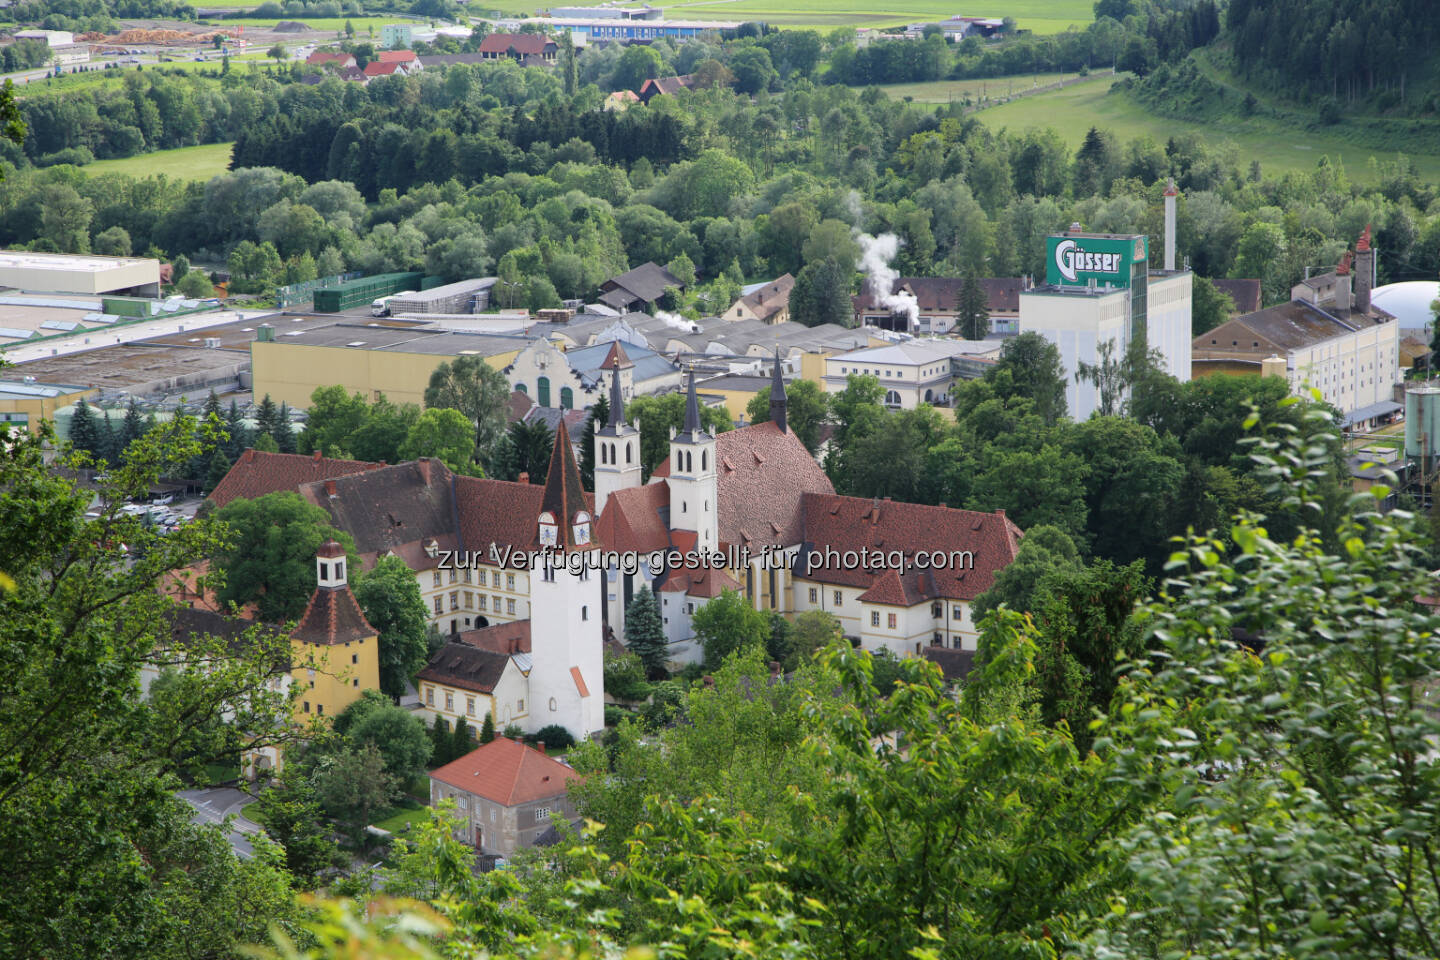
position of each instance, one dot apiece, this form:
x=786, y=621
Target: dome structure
x=1409, y=302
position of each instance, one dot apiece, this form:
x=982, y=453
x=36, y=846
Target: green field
x=182, y=163
x=1072, y=111
x=994, y=88
x=322, y=24
x=1041, y=16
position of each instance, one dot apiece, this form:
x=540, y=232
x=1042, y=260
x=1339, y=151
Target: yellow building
x=395, y=360
x=25, y=403
x=335, y=652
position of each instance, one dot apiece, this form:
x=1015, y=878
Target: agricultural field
x=182, y=163
x=1041, y=16
x=992, y=88
x=1073, y=110
x=330, y=25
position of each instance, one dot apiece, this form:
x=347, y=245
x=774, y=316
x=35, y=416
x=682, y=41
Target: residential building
x=258, y=473
x=321, y=58
x=571, y=379
x=768, y=303
x=519, y=46
x=1331, y=336
x=620, y=100
x=911, y=372
x=509, y=795
x=638, y=289
x=785, y=541
x=479, y=673
x=392, y=68
x=394, y=36
x=654, y=87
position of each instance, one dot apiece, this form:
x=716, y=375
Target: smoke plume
x=875, y=256
x=677, y=321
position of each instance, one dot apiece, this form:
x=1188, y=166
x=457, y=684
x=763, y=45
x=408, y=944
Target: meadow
x=182, y=163
x=1073, y=110
x=1041, y=16
x=993, y=88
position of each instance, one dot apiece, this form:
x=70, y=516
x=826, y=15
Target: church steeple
x=778, y=400
x=692, y=409
x=617, y=444
x=565, y=517
x=694, y=491
x=615, y=361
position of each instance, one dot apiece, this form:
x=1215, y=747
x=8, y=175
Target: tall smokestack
x=1364, y=271
x=1170, y=195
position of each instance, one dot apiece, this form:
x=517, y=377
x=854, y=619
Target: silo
x=1422, y=425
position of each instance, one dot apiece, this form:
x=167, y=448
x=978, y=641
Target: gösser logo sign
x=1071, y=260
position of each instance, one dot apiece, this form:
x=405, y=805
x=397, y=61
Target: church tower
x=617, y=444
x=694, y=490
x=567, y=685
x=778, y=401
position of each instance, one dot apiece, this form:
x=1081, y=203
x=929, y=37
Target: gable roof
x=565, y=496
x=1287, y=326
x=188, y=623
x=396, y=56
x=508, y=773
x=762, y=473
x=507, y=638
x=517, y=406
x=379, y=68
x=257, y=473
x=320, y=57
x=501, y=514
x=465, y=666
x=660, y=85
x=1244, y=293
x=632, y=519
x=854, y=523
x=646, y=282
x=525, y=44
x=391, y=507
x=770, y=298
x=333, y=616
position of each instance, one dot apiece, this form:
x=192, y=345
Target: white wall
x=1077, y=323
x=1168, y=321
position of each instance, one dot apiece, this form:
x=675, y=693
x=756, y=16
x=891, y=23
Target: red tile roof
x=762, y=474
x=857, y=524
x=521, y=43
x=399, y=508
x=376, y=68
x=505, y=638
x=579, y=682
x=565, y=497
x=257, y=473
x=632, y=522
x=396, y=56
x=707, y=583
x=320, y=57
x=501, y=513
x=333, y=616
x=517, y=406
x=507, y=773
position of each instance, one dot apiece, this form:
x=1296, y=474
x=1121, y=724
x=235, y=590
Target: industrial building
x=466, y=296
x=913, y=373
x=613, y=28
x=25, y=403
x=73, y=273
x=1100, y=289
x=291, y=357
x=1331, y=337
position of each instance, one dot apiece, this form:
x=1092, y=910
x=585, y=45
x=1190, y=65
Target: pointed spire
x=564, y=495
x=615, y=361
x=692, y=408
x=778, y=400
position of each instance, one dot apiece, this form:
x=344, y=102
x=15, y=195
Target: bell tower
x=617, y=444
x=694, y=489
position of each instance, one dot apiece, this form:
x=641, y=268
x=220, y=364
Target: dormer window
x=549, y=532
x=432, y=549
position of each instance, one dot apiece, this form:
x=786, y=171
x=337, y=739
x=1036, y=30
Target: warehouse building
x=290, y=357
x=466, y=296
x=25, y=403
x=72, y=273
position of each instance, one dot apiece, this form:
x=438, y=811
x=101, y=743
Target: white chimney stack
x=1170, y=194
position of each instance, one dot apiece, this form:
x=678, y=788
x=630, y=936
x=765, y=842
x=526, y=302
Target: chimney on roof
x=424, y=464
x=317, y=456
x=524, y=477
x=1364, y=271
x=1170, y=194
x=709, y=680
x=330, y=489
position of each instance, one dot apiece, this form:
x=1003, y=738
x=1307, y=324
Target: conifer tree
x=440, y=738
x=644, y=634
x=284, y=435
x=972, y=308
x=599, y=414
x=239, y=436
x=487, y=729
x=84, y=431
x=109, y=442
x=461, y=742
x=267, y=417
x=132, y=428
x=219, y=466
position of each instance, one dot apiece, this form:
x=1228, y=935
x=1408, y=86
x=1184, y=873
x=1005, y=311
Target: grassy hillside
x=1041, y=16
x=948, y=91
x=183, y=163
x=1072, y=111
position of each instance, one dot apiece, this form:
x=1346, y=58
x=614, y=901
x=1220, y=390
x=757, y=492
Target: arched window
x=704, y=460
x=542, y=391
x=689, y=462
x=522, y=388
x=892, y=399
x=628, y=452
x=567, y=398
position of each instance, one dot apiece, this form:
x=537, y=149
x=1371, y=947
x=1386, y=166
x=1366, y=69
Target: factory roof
x=395, y=336
x=448, y=290
x=18, y=389
x=28, y=260
x=135, y=367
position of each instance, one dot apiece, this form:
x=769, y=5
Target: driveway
x=213, y=805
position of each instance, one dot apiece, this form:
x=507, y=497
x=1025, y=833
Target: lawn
x=321, y=24
x=1041, y=16
x=1072, y=111
x=944, y=91
x=397, y=821
x=182, y=163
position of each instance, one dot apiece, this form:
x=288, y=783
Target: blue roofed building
x=574, y=379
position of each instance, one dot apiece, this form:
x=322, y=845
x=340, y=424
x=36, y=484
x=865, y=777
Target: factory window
x=542, y=390
x=837, y=598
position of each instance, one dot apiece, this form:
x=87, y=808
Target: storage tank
x=1422, y=423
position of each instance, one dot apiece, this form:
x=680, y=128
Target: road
x=213, y=805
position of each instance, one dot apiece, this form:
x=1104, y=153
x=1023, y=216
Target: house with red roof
x=392, y=68
x=509, y=795
x=322, y=57
x=257, y=473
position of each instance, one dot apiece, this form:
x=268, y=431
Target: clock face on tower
x=581, y=529
x=549, y=532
